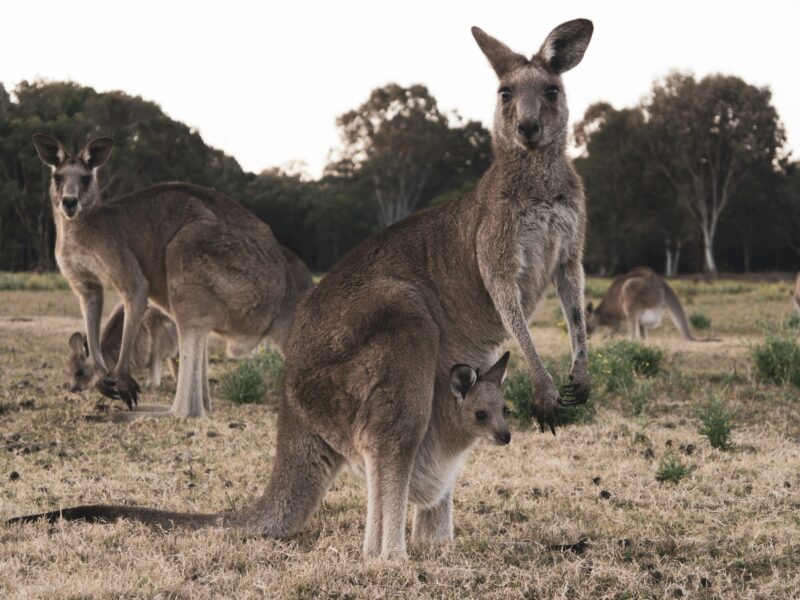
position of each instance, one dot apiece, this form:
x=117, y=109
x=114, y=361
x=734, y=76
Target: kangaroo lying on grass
x=156, y=342
x=198, y=255
x=369, y=357
x=476, y=411
x=638, y=297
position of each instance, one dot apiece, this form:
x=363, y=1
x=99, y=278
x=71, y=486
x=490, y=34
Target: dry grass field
x=579, y=515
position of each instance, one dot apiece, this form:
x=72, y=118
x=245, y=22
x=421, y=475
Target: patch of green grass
x=777, y=359
x=672, y=469
x=518, y=391
x=700, y=321
x=32, y=282
x=614, y=367
x=717, y=422
x=255, y=379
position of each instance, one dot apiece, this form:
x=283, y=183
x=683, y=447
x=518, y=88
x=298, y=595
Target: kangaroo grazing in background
x=196, y=254
x=640, y=298
x=476, y=412
x=368, y=361
x=156, y=342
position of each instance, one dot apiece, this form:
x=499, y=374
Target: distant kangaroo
x=475, y=411
x=198, y=255
x=368, y=362
x=638, y=297
x=156, y=342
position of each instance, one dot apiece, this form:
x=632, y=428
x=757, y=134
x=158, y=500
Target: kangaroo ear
x=76, y=342
x=589, y=308
x=564, y=47
x=85, y=345
x=497, y=373
x=49, y=149
x=502, y=58
x=462, y=378
x=96, y=152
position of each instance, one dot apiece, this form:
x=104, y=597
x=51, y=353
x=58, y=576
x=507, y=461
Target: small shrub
x=700, y=321
x=777, y=360
x=793, y=322
x=672, y=469
x=254, y=378
x=717, y=419
x=519, y=391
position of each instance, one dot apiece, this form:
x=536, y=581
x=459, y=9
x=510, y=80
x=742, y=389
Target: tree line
x=694, y=177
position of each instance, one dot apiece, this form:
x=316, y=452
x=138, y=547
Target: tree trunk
x=668, y=266
x=709, y=264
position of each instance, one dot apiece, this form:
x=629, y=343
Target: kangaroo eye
x=59, y=179
x=551, y=93
x=506, y=412
x=86, y=180
x=481, y=415
x=79, y=373
x=505, y=94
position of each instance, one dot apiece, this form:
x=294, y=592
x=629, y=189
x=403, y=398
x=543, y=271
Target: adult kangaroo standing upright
x=198, y=255
x=370, y=352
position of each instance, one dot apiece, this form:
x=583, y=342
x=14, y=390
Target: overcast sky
x=265, y=82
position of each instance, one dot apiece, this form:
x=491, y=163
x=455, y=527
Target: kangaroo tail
x=676, y=312
x=100, y=513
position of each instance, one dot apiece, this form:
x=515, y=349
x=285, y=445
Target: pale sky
x=265, y=81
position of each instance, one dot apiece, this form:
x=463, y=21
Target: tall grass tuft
x=672, y=469
x=717, y=422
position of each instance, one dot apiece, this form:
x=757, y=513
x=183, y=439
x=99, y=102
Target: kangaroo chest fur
x=545, y=232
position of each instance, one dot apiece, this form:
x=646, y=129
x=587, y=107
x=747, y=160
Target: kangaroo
x=196, y=254
x=156, y=342
x=796, y=293
x=369, y=355
x=299, y=273
x=638, y=297
x=477, y=412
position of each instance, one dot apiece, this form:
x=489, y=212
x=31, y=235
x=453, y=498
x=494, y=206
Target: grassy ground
x=729, y=529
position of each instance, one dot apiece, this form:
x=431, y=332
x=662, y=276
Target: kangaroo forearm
x=569, y=281
x=91, y=300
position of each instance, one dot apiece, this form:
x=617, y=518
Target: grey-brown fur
x=796, y=293
x=155, y=343
x=369, y=357
x=196, y=254
x=637, y=298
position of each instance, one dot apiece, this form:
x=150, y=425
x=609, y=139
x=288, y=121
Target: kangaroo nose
x=70, y=203
x=530, y=128
x=504, y=437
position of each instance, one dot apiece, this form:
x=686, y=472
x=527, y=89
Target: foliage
x=255, y=379
x=614, y=367
x=518, y=391
x=672, y=469
x=777, y=359
x=32, y=281
x=717, y=422
x=442, y=156
x=700, y=321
